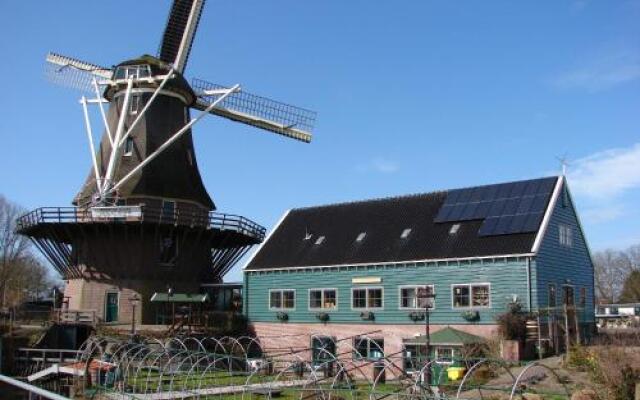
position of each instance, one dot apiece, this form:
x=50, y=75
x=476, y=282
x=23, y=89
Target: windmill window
x=454, y=229
x=168, y=250
x=361, y=236
x=134, y=104
x=320, y=240
x=128, y=146
x=405, y=233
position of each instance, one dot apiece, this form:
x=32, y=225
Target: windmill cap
x=177, y=84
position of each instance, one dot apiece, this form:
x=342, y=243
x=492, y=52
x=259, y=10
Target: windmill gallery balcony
x=30, y=222
x=73, y=237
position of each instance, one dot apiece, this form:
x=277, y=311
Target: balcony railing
x=141, y=214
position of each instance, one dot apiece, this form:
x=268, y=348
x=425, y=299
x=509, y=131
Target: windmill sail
x=73, y=73
x=257, y=111
x=179, y=32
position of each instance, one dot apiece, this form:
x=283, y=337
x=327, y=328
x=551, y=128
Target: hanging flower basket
x=322, y=316
x=471, y=315
x=416, y=316
x=367, y=316
x=282, y=316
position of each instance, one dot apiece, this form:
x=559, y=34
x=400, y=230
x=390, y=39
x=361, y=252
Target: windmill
x=143, y=220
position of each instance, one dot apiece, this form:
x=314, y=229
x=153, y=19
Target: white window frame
x=295, y=300
x=555, y=295
x=369, y=340
x=400, y=307
x=470, y=286
x=321, y=308
x=134, y=104
x=128, y=142
x=565, y=235
x=437, y=356
x=366, y=299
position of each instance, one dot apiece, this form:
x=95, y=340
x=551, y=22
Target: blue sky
x=412, y=96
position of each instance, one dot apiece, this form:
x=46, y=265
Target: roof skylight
x=320, y=240
x=361, y=236
x=454, y=229
x=405, y=233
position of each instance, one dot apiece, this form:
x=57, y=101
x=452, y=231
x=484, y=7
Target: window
x=128, y=146
x=583, y=297
x=366, y=298
x=168, y=250
x=454, y=229
x=445, y=355
x=134, y=104
x=368, y=348
x=565, y=235
x=405, y=233
x=471, y=295
x=320, y=240
x=361, y=236
x=324, y=299
x=417, y=297
x=323, y=349
x=282, y=299
x=552, y=295
x=412, y=357
x=569, y=296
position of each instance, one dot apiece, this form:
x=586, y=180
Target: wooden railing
x=142, y=214
x=64, y=316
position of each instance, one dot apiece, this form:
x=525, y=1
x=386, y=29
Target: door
x=111, y=311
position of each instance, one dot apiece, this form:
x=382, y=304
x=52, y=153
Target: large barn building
x=347, y=269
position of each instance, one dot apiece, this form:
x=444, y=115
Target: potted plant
x=322, y=316
x=470, y=315
x=416, y=316
x=282, y=316
x=367, y=315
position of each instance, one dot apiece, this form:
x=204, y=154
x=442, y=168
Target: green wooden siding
x=507, y=277
x=560, y=265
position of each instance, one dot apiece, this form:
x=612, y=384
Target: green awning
x=446, y=337
x=179, y=298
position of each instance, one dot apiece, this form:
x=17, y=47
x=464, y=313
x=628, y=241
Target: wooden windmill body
x=143, y=221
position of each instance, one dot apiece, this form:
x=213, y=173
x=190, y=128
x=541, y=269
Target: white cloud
x=600, y=215
x=607, y=69
x=606, y=174
x=380, y=165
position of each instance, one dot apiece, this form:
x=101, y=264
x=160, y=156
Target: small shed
x=447, y=345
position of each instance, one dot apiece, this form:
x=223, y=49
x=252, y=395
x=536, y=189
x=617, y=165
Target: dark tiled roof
x=383, y=221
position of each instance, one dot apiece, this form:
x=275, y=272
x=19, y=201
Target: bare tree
x=14, y=248
x=22, y=274
x=609, y=274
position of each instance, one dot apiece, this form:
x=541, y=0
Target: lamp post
x=134, y=302
x=427, y=297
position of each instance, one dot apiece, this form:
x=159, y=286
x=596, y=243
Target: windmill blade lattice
x=258, y=111
x=179, y=32
x=73, y=73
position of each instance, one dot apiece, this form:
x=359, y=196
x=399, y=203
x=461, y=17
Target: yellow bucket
x=455, y=373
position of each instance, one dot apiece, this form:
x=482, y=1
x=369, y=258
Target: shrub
x=512, y=324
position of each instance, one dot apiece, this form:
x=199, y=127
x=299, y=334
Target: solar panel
x=515, y=207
